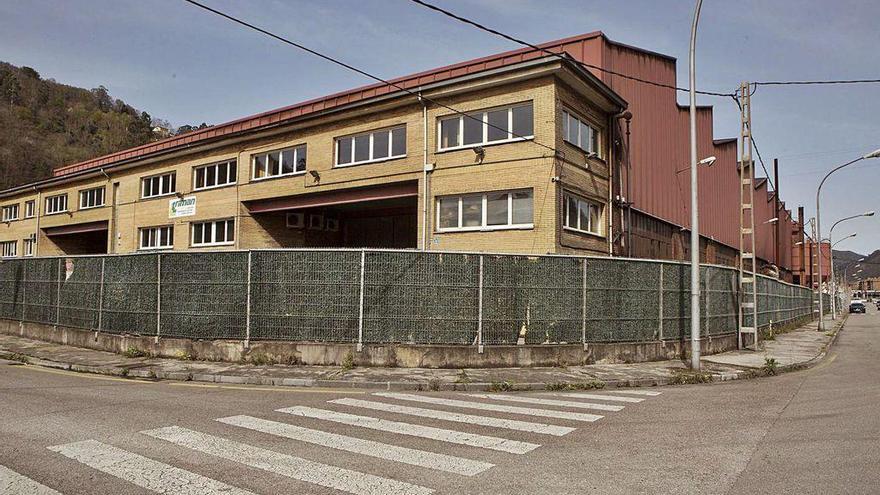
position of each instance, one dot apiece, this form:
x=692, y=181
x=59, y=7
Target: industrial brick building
x=537, y=165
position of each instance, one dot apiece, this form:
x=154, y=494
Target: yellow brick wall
x=506, y=166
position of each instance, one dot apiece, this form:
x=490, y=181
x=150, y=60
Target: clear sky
x=182, y=64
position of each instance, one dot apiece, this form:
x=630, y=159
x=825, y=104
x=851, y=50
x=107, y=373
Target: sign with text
x=182, y=207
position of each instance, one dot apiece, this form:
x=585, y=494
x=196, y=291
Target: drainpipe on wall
x=426, y=167
x=37, y=208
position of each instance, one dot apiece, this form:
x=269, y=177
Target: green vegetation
x=45, y=124
x=504, y=386
x=134, y=352
x=348, y=362
x=688, y=377
x=590, y=385
x=771, y=366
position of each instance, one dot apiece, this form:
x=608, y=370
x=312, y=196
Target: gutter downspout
x=37, y=213
x=425, y=169
x=625, y=146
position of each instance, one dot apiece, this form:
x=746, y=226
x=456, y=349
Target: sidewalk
x=799, y=348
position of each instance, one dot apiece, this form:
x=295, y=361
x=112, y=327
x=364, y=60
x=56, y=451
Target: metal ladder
x=748, y=280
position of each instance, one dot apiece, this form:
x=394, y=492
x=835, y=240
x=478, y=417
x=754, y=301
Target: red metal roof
x=323, y=103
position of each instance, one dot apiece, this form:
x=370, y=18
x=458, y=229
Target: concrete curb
x=149, y=373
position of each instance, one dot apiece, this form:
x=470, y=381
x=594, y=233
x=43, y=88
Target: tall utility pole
x=695, y=204
x=748, y=276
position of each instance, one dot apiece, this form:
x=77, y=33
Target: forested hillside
x=44, y=124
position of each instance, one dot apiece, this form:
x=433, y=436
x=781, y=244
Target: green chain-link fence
x=384, y=296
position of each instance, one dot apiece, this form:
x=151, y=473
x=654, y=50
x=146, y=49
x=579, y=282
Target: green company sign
x=182, y=207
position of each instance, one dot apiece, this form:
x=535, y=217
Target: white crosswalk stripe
x=546, y=413
x=286, y=465
x=613, y=398
x=142, y=471
x=509, y=424
x=650, y=393
x=443, y=435
x=12, y=483
x=430, y=460
x=549, y=402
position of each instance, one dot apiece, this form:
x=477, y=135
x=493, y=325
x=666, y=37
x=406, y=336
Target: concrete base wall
x=390, y=355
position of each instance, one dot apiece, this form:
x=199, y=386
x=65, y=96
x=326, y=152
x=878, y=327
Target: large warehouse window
x=495, y=125
x=576, y=131
x=582, y=215
x=157, y=237
x=485, y=211
x=213, y=233
x=159, y=185
x=371, y=146
x=91, y=198
x=56, y=204
x=280, y=162
x=215, y=175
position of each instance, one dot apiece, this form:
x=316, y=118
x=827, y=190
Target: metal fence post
x=660, y=304
x=24, y=283
x=247, y=314
x=158, y=296
x=480, y=309
x=101, y=297
x=584, y=303
x=58, y=296
x=360, y=342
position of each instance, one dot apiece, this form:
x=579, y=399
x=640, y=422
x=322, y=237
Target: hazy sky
x=180, y=63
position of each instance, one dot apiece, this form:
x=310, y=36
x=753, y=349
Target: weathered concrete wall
x=395, y=355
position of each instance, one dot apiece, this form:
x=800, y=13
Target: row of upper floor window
x=491, y=126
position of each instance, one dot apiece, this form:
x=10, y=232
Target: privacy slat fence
x=383, y=296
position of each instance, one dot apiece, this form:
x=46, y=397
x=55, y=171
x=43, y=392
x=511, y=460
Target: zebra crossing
x=560, y=413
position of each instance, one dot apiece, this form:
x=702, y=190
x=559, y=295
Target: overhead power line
x=757, y=151
x=816, y=83
x=355, y=69
x=556, y=54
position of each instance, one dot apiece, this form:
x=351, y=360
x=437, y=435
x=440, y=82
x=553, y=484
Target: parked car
x=857, y=307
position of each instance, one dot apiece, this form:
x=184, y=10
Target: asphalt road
x=813, y=431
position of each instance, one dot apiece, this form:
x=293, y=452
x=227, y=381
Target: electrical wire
x=815, y=83
x=558, y=55
x=355, y=69
x=757, y=151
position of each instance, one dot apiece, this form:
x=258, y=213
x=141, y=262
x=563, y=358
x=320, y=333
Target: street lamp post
x=874, y=154
x=833, y=281
x=695, y=216
x=834, y=308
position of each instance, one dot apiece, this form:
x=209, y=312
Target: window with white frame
x=582, y=215
x=29, y=246
x=161, y=237
x=9, y=249
x=372, y=146
x=215, y=175
x=495, y=125
x=280, y=162
x=578, y=132
x=158, y=185
x=91, y=198
x=30, y=209
x=213, y=233
x=485, y=211
x=10, y=212
x=56, y=204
